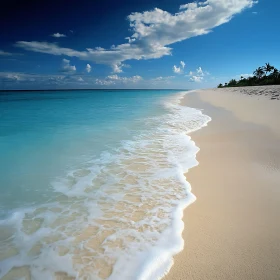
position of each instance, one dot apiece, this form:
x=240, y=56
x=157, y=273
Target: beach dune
x=232, y=231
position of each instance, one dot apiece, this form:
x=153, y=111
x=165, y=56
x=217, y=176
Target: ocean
x=92, y=182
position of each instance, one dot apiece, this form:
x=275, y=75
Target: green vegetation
x=266, y=75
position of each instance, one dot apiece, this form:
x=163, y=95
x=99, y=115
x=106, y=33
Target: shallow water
x=92, y=183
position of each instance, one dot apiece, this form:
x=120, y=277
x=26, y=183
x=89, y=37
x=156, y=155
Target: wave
x=119, y=216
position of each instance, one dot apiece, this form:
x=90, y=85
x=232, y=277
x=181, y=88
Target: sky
x=172, y=44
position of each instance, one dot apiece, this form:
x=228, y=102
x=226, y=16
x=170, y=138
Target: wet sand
x=232, y=231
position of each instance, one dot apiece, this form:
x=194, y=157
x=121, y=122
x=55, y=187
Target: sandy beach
x=232, y=231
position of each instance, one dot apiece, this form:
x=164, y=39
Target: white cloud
x=117, y=68
x=10, y=80
x=196, y=79
x=177, y=70
x=65, y=79
x=49, y=48
x=133, y=79
x=88, y=68
x=66, y=67
x=183, y=64
x=115, y=79
x=161, y=80
x=199, y=71
x=5, y=53
x=17, y=77
x=198, y=75
x=104, y=82
x=153, y=32
x=190, y=6
x=58, y=35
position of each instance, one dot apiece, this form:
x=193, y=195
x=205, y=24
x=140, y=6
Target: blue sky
x=135, y=44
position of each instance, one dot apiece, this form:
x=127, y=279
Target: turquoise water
x=77, y=171
x=42, y=134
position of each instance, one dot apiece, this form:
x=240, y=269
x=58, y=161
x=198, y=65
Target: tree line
x=265, y=75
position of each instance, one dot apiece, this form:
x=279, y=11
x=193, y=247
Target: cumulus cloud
x=196, y=79
x=197, y=75
x=115, y=79
x=117, y=68
x=58, y=35
x=199, y=71
x=179, y=69
x=153, y=32
x=66, y=67
x=88, y=68
x=190, y=6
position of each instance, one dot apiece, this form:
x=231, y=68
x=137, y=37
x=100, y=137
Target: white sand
x=232, y=231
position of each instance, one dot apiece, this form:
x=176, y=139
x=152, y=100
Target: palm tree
x=275, y=73
x=268, y=68
x=259, y=72
x=232, y=82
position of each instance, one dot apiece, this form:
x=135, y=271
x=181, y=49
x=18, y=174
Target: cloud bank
x=11, y=80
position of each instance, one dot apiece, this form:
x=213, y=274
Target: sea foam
x=119, y=216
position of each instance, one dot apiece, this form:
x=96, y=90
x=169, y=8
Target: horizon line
x=3, y=90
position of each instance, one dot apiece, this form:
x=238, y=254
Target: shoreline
x=223, y=241
x=139, y=211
